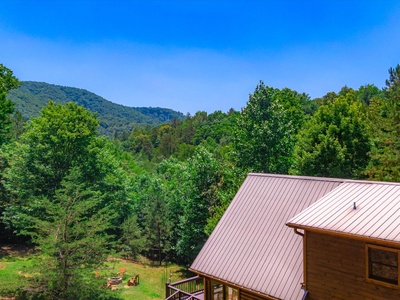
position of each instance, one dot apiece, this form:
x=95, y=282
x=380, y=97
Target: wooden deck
x=187, y=289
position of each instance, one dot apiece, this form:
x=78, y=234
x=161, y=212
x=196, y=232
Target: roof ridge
x=316, y=178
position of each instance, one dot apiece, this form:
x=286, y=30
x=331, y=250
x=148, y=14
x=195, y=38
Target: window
x=218, y=290
x=383, y=264
x=231, y=293
x=223, y=292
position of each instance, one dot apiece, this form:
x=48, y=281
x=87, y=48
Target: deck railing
x=185, y=289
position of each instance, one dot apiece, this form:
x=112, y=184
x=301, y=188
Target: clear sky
x=200, y=55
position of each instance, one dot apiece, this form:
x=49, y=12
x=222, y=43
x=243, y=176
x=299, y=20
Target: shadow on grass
x=10, y=251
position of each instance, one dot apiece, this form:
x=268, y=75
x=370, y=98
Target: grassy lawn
x=15, y=262
x=152, y=278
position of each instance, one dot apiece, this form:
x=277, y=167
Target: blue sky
x=200, y=55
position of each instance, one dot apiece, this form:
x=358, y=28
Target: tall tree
x=385, y=126
x=266, y=129
x=368, y=92
x=335, y=141
x=7, y=82
x=132, y=240
x=73, y=241
x=201, y=196
x=56, y=141
x=64, y=137
x=152, y=210
x=158, y=220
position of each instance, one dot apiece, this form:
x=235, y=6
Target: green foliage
x=132, y=240
x=173, y=175
x=12, y=271
x=266, y=130
x=335, y=141
x=366, y=93
x=72, y=236
x=152, y=209
x=230, y=179
x=6, y=109
x=141, y=142
x=18, y=125
x=31, y=97
x=208, y=185
x=180, y=138
x=63, y=138
x=200, y=196
x=7, y=82
x=385, y=126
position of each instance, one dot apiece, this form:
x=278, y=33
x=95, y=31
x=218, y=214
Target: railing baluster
x=184, y=288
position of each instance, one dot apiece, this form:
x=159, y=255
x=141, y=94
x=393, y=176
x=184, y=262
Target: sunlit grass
x=152, y=278
x=14, y=270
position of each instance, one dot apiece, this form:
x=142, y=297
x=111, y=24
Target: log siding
x=335, y=268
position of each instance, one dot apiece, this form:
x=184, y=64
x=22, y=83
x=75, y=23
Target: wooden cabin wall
x=249, y=296
x=336, y=269
x=244, y=295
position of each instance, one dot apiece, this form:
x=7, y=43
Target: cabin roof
x=360, y=209
x=251, y=247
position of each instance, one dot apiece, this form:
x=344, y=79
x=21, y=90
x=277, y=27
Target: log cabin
x=351, y=242
x=303, y=238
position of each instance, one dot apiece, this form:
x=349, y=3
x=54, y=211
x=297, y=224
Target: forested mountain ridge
x=32, y=96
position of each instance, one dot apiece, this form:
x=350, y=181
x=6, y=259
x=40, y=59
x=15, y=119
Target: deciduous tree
x=266, y=130
x=7, y=82
x=335, y=141
x=64, y=137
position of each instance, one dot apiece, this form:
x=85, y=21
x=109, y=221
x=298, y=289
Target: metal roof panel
x=365, y=209
x=251, y=246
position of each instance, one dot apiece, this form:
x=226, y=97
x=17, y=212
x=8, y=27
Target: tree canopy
x=335, y=141
x=7, y=82
x=265, y=133
x=385, y=126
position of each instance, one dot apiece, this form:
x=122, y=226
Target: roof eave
x=270, y=297
x=367, y=239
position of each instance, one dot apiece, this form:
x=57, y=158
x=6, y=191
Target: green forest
x=79, y=194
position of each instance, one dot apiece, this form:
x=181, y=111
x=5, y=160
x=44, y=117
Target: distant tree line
x=160, y=190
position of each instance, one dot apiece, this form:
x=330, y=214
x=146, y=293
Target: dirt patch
x=3, y=265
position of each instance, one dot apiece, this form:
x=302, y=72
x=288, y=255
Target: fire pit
x=114, y=280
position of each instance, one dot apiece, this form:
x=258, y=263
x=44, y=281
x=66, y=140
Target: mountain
x=31, y=96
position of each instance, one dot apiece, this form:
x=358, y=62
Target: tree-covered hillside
x=32, y=96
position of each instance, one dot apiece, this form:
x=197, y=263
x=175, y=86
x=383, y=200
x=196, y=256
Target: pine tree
x=385, y=126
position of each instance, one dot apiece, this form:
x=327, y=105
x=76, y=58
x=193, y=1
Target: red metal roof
x=251, y=247
x=364, y=209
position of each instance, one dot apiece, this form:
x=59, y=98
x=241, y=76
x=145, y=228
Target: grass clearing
x=152, y=279
x=14, y=265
